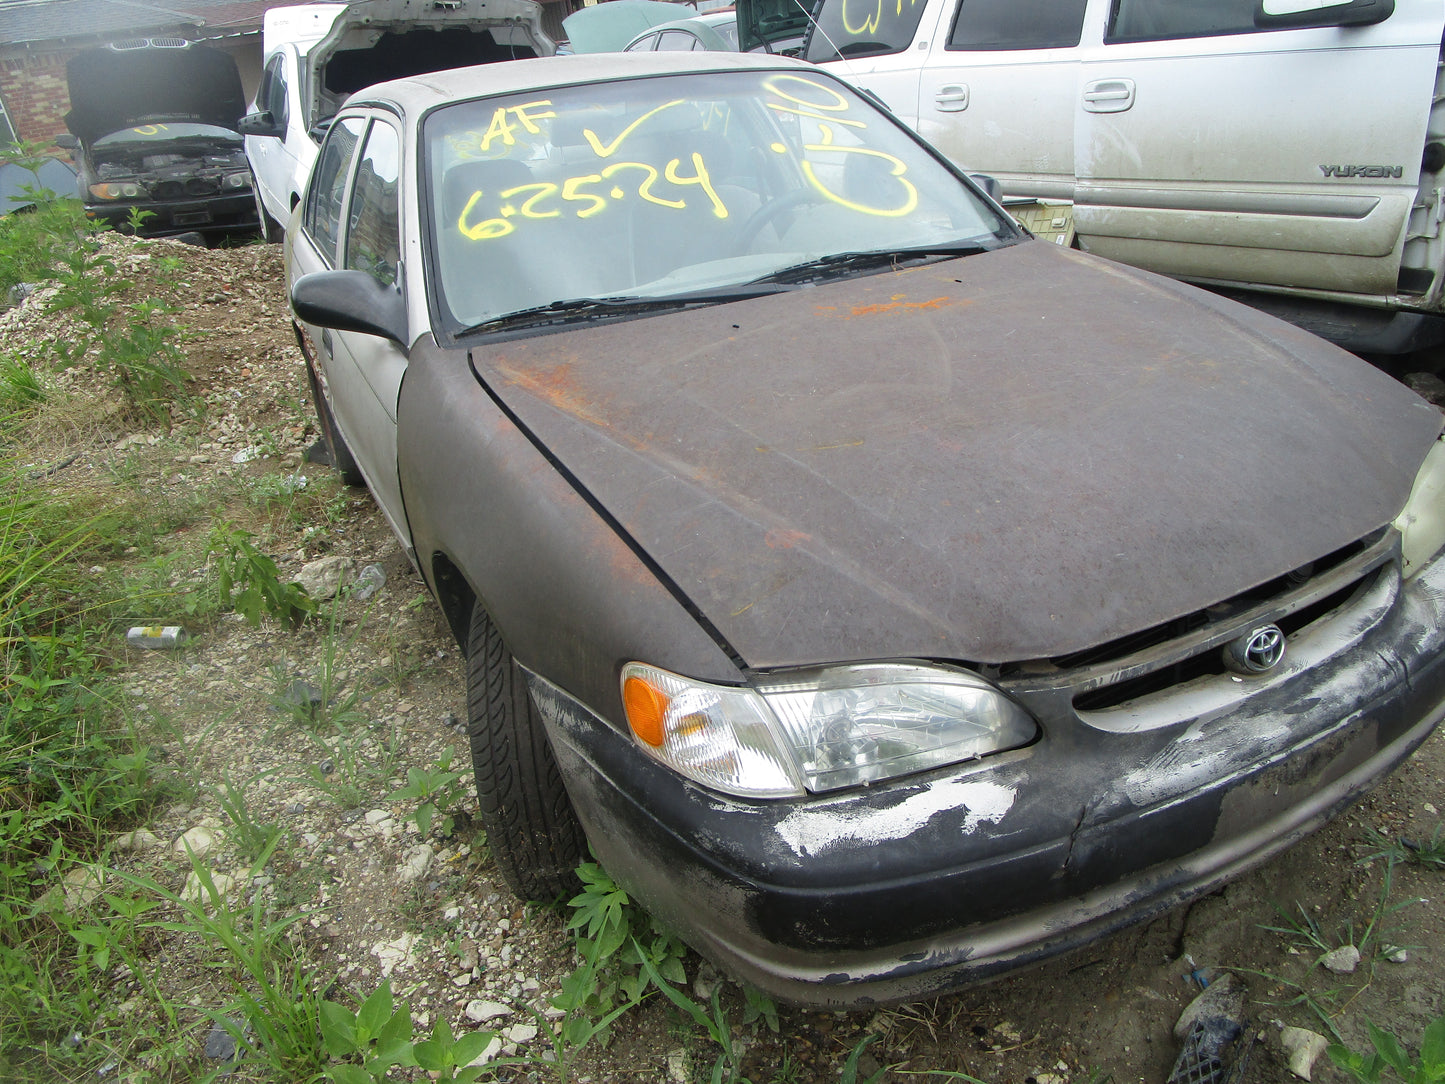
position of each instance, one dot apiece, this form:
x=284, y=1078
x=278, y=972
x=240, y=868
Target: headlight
x=237, y=180
x=822, y=729
x=1422, y=523
x=117, y=190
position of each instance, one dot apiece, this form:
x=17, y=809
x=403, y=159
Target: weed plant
x=68, y=775
x=33, y=242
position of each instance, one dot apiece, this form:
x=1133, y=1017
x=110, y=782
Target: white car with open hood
x=317, y=54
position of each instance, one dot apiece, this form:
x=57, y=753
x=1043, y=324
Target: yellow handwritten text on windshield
x=502, y=133
x=805, y=97
x=150, y=129
x=545, y=199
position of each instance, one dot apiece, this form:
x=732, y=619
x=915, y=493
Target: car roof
x=419, y=93
x=702, y=27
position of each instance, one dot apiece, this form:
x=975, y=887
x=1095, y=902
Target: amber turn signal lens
x=645, y=707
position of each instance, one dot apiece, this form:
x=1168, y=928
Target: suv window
x=1158, y=20
x=860, y=28
x=322, y=217
x=373, y=239
x=1017, y=24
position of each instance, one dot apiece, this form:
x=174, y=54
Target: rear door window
x=1017, y=24
x=1161, y=20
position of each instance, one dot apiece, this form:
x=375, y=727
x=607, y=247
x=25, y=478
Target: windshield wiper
x=584, y=308
x=840, y=263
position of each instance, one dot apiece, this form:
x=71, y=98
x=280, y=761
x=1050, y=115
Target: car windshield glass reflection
x=656, y=187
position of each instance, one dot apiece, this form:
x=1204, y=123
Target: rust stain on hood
x=1034, y=452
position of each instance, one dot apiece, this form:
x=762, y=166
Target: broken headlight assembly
x=234, y=182
x=118, y=190
x=1422, y=521
x=822, y=729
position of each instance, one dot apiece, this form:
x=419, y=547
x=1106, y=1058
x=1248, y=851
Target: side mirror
x=989, y=185
x=350, y=301
x=1287, y=14
x=260, y=124
x=67, y=142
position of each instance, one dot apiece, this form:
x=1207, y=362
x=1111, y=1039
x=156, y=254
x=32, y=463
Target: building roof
x=29, y=21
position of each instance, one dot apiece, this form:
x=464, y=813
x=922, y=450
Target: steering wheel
x=767, y=212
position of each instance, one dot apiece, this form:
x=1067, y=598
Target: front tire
x=534, y=835
x=271, y=230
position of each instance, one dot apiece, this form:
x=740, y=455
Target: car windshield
x=672, y=186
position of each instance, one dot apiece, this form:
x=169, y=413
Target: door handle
x=326, y=340
x=1108, y=95
x=952, y=98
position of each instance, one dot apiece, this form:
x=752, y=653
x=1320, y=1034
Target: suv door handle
x=952, y=98
x=1108, y=95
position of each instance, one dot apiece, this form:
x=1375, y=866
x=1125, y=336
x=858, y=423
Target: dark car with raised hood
x=891, y=598
x=154, y=121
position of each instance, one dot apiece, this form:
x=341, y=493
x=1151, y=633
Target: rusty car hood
x=1014, y=455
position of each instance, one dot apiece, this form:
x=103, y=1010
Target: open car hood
x=1010, y=456
x=607, y=28
x=129, y=84
x=772, y=26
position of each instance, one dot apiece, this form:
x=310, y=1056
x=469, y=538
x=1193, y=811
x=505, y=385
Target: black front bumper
x=209, y=214
x=909, y=888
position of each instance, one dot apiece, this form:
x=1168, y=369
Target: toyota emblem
x=1258, y=651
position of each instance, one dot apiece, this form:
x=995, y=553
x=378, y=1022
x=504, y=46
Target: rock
x=195, y=892
x=1396, y=955
x=418, y=861
x=300, y=694
x=220, y=1044
x=468, y=957
x=521, y=1033
x=479, y=1012
x=493, y=1048
x=325, y=576
x=1343, y=960
x=393, y=953
x=706, y=982
x=1303, y=1047
x=376, y=816
x=198, y=841
x=140, y=840
x=464, y=979
x=82, y=886
x=1224, y=997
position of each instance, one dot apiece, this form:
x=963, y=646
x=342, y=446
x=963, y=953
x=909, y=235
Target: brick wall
x=33, y=86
